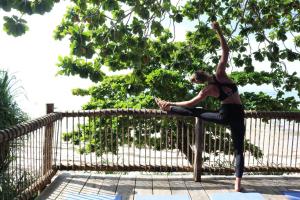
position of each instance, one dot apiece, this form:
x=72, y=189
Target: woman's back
x=225, y=90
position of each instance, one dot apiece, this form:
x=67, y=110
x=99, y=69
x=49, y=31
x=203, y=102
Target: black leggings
x=229, y=114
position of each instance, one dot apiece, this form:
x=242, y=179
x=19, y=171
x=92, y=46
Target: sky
x=32, y=59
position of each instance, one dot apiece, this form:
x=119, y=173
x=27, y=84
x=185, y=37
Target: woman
x=231, y=112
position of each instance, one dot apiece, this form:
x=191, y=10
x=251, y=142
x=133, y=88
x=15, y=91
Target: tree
x=16, y=25
x=135, y=35
x=140, y=36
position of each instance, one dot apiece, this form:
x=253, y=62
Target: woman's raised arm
x=221, y=68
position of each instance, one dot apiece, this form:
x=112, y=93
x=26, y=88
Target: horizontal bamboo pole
x=154, y=112
x=250, y=169
x=27, y=127
x=272, y=114
x=125, y=168
x=114, y=112
x=174, y=169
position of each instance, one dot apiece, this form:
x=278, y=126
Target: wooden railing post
x=199, y=137
x=47, y=150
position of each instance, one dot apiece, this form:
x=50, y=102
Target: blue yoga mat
x=162, y=197
x=292, y=195
x=92, y=197
x=236, y=196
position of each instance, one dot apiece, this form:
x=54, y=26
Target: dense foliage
x=15, y=24
x=140, y=36
x=10, y=114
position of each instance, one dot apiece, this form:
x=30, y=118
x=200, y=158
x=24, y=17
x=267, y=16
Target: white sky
x=32, y=59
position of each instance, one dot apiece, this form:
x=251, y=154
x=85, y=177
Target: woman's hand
x=163, y=105
x=215, y=26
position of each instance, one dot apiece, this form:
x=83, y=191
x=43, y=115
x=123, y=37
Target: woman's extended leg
x=207, y=115
x=185, y=111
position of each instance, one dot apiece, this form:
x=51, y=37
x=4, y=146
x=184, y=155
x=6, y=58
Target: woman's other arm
x=165, y=105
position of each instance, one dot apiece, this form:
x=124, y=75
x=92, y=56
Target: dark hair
x=199, y=75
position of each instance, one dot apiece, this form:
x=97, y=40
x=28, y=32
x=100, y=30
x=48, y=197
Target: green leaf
x=14, y=26
x=297, y=40
x=259, y=37
x=178, y=18
x=258, y=56
x=110, y=5
x=156, y=28
x=281, y=34
x=137, y=26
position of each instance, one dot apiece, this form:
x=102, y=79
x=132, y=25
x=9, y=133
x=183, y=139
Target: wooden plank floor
x=131, y=184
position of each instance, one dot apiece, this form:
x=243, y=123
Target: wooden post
x=199, y=137
x=47, y=150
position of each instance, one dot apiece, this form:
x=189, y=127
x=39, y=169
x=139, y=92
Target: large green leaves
x=140, y=36
x=71, y=66
x=15, y=25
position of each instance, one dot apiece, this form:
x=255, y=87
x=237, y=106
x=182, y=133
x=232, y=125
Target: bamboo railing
x=26, y=157
x=140, y=140
x=147, y=140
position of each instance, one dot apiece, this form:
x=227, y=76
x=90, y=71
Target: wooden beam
x=199, y=137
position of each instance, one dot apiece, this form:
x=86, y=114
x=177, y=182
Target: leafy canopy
x=16, y=26
x=141, y=36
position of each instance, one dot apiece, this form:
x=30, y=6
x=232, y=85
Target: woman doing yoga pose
x=231, y=112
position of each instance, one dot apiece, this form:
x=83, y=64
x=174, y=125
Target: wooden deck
x=131, y=184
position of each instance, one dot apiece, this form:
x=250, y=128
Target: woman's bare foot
x=163, y=105
x=237, y=185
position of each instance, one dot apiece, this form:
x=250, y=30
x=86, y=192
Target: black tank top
x=223, y=94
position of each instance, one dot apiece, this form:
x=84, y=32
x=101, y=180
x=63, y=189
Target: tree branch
x=245, y=6
x=174, y=31
x=249, y=44
x=128, y=18
x=148, y=24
